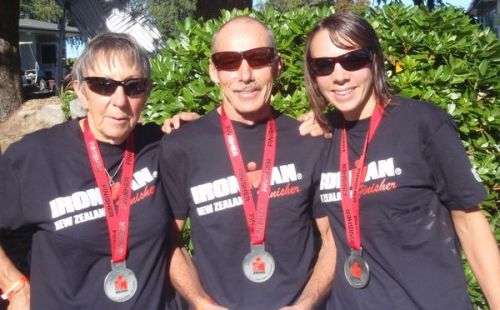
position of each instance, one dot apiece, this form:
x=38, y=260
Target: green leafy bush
x=438, y=56
x=67, y=94
x=441, y=57
x=180, y=72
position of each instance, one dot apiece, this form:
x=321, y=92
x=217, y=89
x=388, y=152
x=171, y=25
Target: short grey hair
x=109, y=45
x=243, y=18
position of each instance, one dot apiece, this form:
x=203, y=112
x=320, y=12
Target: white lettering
x=217, y=189
x=229, y=186
x=202, y=193
x=63, y=223
x=288, y=173
x=386, y=168
x=141, y=178
x=228, y=203
x=80, y=200
x=60, y=206
x=95, y=197
x=88, y=216
x=380, y=169
x=329, y=180
x=330, y=197
x=205, y=210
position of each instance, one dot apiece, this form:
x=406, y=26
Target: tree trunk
x=10, y=88
x=211, y=8
x=428, y=3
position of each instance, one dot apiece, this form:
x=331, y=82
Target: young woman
x=398, y=186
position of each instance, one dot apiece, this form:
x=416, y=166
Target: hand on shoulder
x=309, y=126
x=175, y=122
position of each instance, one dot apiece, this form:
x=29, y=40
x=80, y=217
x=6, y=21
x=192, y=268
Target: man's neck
x=249, y=119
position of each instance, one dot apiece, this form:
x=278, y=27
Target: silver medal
x=121, y=283
x=356, y=270
x=258, y=265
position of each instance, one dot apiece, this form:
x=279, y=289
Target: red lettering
x=284, y=191
x=377, y=187
x=146, y=192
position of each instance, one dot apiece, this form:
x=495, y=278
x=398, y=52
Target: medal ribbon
x=350, y=205
x=117, y=220
x=256, y=216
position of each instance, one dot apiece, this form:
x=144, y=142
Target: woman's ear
x=80, y=93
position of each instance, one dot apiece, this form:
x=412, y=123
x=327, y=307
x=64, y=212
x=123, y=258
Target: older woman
x=398, y=184
x=91, y=188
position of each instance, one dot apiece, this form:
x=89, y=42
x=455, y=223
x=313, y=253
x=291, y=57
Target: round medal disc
x=356, y=271
x=120, y=284
x=258, y=266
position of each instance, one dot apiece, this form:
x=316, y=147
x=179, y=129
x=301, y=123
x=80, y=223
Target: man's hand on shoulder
x=309, y=126
x=175, y=122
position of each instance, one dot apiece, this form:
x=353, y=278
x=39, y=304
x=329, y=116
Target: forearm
x=320, y=281
x=8, y=271
x=9, y=275
x=481, y=251
x=183, y=273
x=185, y=278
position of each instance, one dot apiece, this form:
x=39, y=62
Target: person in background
x=247, y=180
x=397, y=184
x=91, y=187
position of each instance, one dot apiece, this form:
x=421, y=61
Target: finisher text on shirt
x=73, y=207
x=375, y=170
x=220, y=189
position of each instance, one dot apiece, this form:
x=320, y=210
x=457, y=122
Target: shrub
x=438, y=56
x=67, y=94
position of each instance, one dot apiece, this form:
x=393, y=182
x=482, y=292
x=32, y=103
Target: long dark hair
x=347, y=31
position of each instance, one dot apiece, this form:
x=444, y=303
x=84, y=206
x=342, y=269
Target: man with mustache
x=247, y=180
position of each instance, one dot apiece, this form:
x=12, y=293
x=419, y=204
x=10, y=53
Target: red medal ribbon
x=118, y=220
x=256, y=216
x=350, y=204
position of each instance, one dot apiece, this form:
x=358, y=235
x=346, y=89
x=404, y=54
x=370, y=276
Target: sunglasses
x=256, y=58
x=351, y=61
x=107, y=87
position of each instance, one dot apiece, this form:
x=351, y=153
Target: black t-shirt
x=417, y=171
x=201, y=184
x=47, y=181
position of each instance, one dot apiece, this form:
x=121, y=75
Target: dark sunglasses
x=256, y=58
x=351, y=61
x=107, y=87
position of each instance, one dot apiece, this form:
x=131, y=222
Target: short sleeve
x=173, y=167
x=457, y=183
x=318, y=208
x=11, y=215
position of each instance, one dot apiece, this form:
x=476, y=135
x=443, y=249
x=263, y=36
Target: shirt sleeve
x=318, y=208
x=457, y=183
x=11, y=215
x=173, y=167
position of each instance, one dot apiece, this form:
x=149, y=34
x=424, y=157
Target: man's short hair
x=243, y=18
